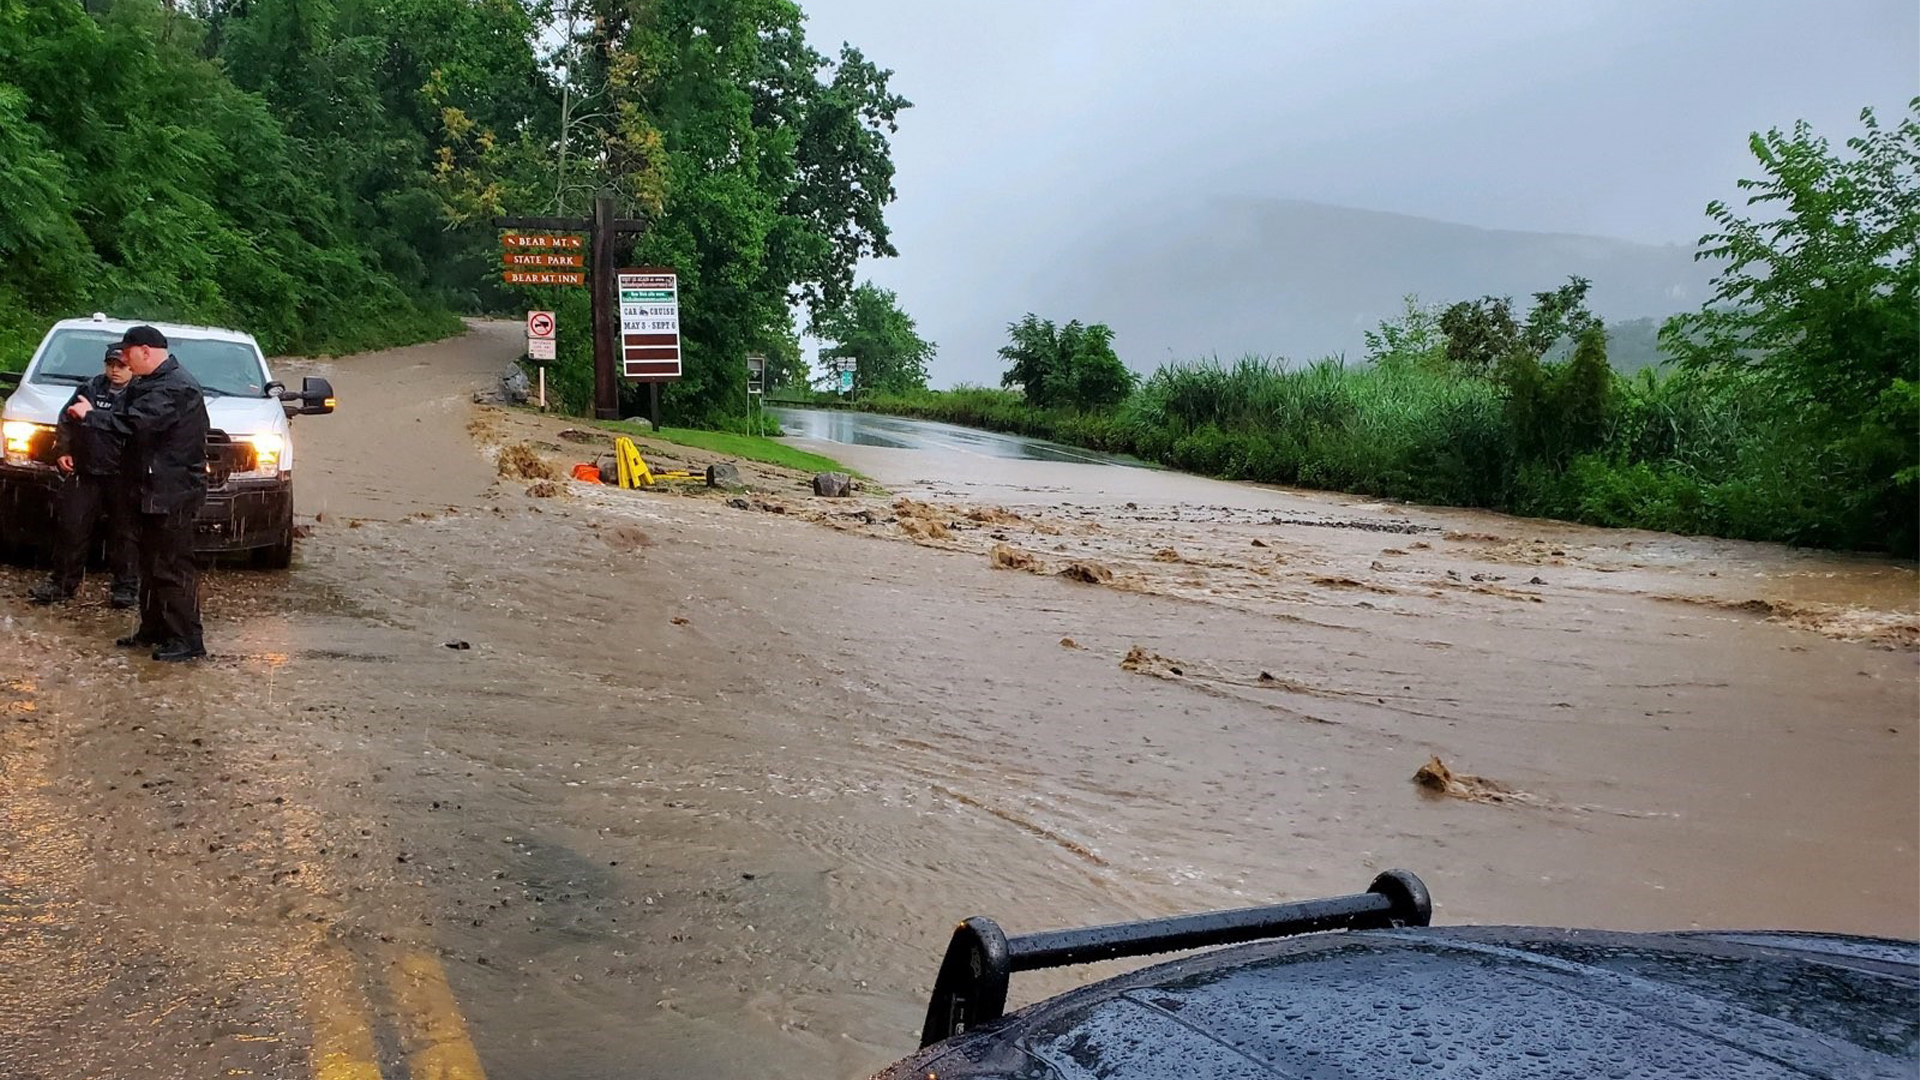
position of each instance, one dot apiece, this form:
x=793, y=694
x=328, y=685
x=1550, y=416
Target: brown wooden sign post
x=562, y=269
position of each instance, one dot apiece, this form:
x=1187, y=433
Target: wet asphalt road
x=946, y=441
x=705, y=788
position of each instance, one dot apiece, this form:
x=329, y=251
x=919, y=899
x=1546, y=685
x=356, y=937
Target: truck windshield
x=224, y=368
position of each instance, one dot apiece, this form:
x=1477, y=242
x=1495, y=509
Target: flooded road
x=941, y=442
x=642, y=785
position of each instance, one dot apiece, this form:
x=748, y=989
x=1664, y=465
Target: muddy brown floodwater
x=651, y=785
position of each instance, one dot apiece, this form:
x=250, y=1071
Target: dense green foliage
x=1065, y=367
x=324, y=173
x=139, y=175
x=762, y=167
x=869, y=330
x=1818, y=311
x=1793, y=415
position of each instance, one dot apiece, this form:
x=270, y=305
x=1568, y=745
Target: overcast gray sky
x=1038, y=121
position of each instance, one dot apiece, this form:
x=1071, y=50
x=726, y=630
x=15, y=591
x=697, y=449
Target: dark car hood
x=1483, y=1002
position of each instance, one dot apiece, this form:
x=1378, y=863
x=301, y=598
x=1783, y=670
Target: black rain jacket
x=163, y=418
x=96, y=452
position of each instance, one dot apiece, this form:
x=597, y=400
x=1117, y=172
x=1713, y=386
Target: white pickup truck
x=250, y=452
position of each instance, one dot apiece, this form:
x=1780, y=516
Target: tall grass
x=1678, y=452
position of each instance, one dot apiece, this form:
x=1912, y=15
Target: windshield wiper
x=61, y=377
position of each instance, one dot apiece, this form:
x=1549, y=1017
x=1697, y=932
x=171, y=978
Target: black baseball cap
x=144, y=335
x=116, y=353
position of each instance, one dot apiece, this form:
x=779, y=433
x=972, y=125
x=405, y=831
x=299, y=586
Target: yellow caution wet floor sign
x=633, y=468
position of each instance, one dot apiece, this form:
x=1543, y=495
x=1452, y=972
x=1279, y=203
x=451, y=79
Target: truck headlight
x=267, y=448
x=20, y=436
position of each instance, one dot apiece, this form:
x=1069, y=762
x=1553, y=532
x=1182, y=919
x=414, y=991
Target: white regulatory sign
x=650, y=323
x=540, y=348
x=540, y=324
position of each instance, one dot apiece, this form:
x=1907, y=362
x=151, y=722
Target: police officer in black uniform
x=90, y=459
x=163, y=417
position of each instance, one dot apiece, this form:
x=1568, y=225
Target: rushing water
x=707, y=787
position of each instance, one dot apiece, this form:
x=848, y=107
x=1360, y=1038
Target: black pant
x=84, y=500
x=169, y=580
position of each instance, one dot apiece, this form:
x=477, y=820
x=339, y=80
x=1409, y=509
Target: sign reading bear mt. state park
x=514, y=258
x=547, y=251
x=562, y=243
x=650, y=323
x=525, y=260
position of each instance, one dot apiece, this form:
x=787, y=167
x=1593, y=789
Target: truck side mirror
x=316, y=396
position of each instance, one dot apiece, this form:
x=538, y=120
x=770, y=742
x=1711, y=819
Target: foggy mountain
x=1303, y=280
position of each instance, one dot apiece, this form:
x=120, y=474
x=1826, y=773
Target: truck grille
x=226, y=457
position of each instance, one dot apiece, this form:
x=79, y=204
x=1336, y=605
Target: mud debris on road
x=1434, y=776
x=716, y=771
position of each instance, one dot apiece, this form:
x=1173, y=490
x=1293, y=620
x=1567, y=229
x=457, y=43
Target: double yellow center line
x=433, y=1035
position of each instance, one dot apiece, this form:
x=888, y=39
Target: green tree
x=1413, y=340
x=762, y=168
x=384, y=98
x=888, y=353
x=1034, y=364
x=1072, y=366
x=220, y=218
x=1096, y=377
x=1819, y=300
x=1480, y=334
x=1584, y=392
x=1557, y=314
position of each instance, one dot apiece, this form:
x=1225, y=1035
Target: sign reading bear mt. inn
x=650, y=323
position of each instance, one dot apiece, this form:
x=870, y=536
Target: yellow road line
x=342, y=1038
x=431, y=1030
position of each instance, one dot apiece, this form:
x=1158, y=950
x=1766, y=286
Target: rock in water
x=514, y=388
x=832, y=485
x=723, y=474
